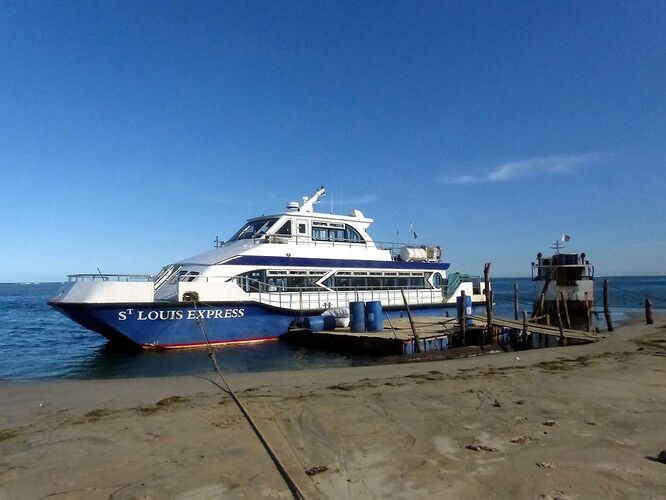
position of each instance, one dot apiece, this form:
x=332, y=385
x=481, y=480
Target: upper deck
x=563, y=268
x=300, y=232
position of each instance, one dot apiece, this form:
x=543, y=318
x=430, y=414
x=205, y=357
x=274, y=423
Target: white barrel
x=413, y=254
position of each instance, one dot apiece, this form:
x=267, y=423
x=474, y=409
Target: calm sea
x=38, y=342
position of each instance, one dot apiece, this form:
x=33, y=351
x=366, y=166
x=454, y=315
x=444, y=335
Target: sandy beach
x=572, y=422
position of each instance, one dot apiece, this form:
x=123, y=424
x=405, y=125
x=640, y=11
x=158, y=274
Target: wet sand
x=572, y=422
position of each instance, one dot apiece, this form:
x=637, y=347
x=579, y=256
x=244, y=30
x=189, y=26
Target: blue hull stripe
x=261, y=260
x=175, y=325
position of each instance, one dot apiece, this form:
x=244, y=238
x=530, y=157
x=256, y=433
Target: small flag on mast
x=565, y=238
x=411, y=230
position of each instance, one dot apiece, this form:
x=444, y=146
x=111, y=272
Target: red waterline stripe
x=203, y=344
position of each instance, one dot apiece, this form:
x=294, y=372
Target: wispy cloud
x=508, y=171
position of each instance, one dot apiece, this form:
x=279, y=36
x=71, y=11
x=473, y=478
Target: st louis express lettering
x=141, y=315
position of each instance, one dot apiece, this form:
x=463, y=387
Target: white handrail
x=109, y=277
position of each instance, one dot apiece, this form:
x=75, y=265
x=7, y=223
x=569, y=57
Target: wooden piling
x=566, y=309
x=588, y=312
x=525, y=331
x=539, y=310
x=609, y=322
x=417, y=346
x=540, y=307
x=494, y=329
x=462, y=319
x=486, y=291
x=648, y=311
x=515, y=301
x=559, y=321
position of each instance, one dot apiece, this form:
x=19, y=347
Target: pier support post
x=462, y=318
x=559, y=321
x=588, y=312
x=566, y=309
x=609, y=322
x=489, y=299
x=417, y=345
x=494, y=331
x=515, y=302
x=525, y=331
x=648, y=311
x=540, y=307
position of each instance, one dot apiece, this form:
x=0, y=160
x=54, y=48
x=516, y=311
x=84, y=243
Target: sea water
x=36, y=341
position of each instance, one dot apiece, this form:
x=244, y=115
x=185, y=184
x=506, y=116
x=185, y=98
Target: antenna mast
x=308, y=204
x=556, y=246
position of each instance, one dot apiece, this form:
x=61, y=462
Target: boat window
x=254, y=229
x=476, y=285
x=319, y=233
x=373, y=280
x=352, y=234
x=285, y=229
x=287, y=281
x=333, y=231
x=176, y=277
x=183, y=275
x=336, y=234
x=251, y=281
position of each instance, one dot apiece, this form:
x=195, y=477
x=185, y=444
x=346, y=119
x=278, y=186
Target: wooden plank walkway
x=396, y=338
x=400, y=329
x=435, y=334
x=539, y=328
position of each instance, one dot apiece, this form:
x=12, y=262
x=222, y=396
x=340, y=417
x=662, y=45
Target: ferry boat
x=273, y=272
x=567, y=279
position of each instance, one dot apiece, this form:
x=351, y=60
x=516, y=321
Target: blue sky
x=133, y=133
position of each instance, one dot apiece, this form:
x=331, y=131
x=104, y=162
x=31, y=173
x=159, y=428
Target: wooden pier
x=540, y=329
x=433, y=334
x=430, y=333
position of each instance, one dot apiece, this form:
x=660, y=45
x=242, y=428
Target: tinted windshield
x=254, y=229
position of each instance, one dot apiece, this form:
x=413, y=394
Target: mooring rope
x=291, y=484
x=390, y=324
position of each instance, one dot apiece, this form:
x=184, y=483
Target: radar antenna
x=556, y=246
x=308, y=204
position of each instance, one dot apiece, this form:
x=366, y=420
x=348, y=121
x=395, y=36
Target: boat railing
x=109, y=277
x=392, y=247
x=541, y=272
x=317, y=298
x=325, y=299
x=308, y=240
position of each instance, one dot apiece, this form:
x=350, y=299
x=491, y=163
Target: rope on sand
x=291, y=484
